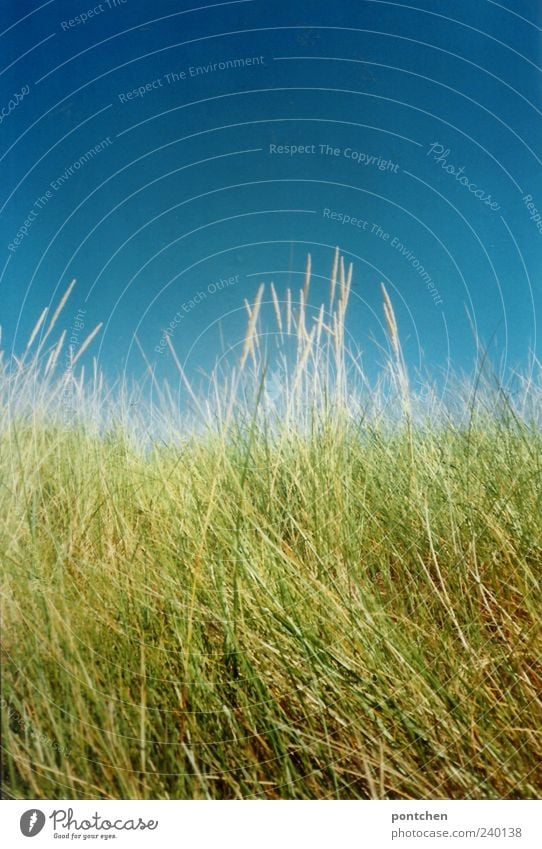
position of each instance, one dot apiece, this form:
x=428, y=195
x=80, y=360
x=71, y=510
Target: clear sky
x=171, y=156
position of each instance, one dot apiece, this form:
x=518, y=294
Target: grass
x=329, y=594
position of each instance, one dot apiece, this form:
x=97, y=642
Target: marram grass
x=302, y=601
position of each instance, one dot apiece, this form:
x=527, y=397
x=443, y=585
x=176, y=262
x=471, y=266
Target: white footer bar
x=273, y=824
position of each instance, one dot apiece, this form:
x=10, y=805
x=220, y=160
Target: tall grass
x=305, y=586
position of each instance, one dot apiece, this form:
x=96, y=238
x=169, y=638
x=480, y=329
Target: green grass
x=349, y=610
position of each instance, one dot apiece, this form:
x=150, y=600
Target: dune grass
x=309, y=597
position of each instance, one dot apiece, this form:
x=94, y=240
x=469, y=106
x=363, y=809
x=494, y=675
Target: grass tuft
x=309, y=588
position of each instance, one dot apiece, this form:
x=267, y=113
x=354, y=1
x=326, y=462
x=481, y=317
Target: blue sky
x=171, y=158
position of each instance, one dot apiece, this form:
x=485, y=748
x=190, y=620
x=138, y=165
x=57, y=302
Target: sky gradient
x=171, y=158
